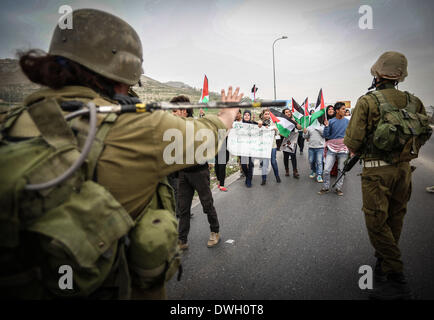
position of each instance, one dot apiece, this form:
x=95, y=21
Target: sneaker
x=214, y=239
x=223, y=189
x=312, y=175
x=323, y=191
x=339, y=192
x=182, y=245
x=319, y=179
x=430, y=189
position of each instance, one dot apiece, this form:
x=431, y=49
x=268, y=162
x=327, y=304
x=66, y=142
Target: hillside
x=14, y=86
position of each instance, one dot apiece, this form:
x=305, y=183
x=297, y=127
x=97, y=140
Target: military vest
x=77, y=223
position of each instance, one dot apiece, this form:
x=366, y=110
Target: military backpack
x=400, y=132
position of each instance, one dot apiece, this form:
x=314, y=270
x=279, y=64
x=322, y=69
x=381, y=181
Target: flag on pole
x=306, y=119
x=284, y=124
x=253, y=94
x=205, y=94
x=297, y=111
x=319, y=113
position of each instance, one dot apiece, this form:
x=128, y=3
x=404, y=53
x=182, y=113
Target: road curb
x=229, y=180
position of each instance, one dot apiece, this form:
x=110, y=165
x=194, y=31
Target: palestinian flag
x=305, y=120
x=253, y=94
x=284, y=124
x=319, y=113
x=297, y=111
x=205, y=94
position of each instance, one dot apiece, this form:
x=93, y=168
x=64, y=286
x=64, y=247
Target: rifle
x=348, y=165
x=153, y=106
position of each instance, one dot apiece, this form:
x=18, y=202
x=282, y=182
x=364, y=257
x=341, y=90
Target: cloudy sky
x=231, y=41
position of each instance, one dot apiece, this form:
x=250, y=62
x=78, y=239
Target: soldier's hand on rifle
x=228, y=115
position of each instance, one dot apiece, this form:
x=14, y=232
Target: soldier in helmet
x=386, y=175
x=96, y=61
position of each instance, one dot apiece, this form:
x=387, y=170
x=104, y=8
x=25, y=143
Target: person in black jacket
x=247, y=162
x=196, y=178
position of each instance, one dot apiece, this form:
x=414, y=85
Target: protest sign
x=249, y=140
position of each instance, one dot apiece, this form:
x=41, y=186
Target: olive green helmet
x=101, y=42
x=390, y=65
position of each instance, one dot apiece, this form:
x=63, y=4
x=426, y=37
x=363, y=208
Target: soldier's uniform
x=130, y=166
x=386, y=187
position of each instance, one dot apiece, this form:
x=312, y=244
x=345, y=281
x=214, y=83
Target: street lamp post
x=274, y=70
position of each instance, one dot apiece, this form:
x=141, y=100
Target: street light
x=274, y=71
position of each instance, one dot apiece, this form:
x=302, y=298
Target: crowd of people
x=326, y=151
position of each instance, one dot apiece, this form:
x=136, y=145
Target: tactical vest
x=399, y=133
x=77, y=223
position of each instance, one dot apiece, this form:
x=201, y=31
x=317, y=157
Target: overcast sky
x=231, y=42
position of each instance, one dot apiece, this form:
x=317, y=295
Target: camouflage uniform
x=130, y=167
x=386, y=188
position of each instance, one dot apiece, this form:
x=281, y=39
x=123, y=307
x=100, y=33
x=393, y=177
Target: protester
x=201, y=113
x=221, y=160
x=289, y=147
x=196, y=178
x=334, y=131
x=239, y=117
x=300, y=142
x=314, y=135
x=266, y=121
x=331, y=115
x=247, y=162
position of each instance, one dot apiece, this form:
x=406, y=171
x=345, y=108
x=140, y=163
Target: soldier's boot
x=264, y=180
x=214, y=239
x=379, y=275
x=395, y=288
x=286, y=172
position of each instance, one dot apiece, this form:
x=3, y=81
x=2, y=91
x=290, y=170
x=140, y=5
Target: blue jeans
x=266, y=162
x=329, y=162
x=316, y=156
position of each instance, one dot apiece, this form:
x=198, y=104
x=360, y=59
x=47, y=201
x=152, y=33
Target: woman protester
x=247, y=162
x=266, y=121
x=289, y=147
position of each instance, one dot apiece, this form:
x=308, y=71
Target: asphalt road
x=290, y=243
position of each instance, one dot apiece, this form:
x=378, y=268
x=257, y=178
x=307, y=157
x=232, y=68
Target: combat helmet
x=101, y=42
x=390, y=65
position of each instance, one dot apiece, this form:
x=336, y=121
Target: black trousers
x=247, y=168
x=300, y=142
x=293, y=160
x=220, y=167
x=188, y=183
